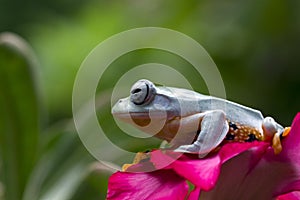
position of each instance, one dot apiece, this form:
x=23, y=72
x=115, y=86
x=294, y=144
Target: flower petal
x=164, y=159
x=291, y=141
x=289, y=196
x=231, y=150
x=194, y=194
x=201, y=172
x=158, y=185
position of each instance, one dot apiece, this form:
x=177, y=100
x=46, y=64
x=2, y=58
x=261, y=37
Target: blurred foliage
x=20, y=118
x=254, y=44
x=36, y=162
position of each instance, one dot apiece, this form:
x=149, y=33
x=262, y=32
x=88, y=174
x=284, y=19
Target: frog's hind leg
x=273, y=132
x=270, y=128
x=214, y=128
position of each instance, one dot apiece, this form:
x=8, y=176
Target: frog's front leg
x=213, y=130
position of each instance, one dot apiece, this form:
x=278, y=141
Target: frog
x=192, y=122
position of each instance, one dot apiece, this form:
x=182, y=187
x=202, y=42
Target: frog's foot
x=276, y=144
x=286, y=131
x=276, y=141
x=270, y=128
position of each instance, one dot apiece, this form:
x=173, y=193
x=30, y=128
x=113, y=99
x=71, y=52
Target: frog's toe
x=192, y=149
x=182, y=149
x=188, y=149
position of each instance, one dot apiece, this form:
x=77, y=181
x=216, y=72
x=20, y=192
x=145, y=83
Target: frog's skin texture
x=192, y=122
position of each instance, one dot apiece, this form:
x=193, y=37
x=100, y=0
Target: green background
x=255, y=45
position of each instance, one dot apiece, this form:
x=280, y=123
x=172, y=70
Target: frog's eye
x=142, y=92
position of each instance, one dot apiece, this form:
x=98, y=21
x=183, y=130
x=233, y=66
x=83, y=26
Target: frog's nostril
x=137, y=90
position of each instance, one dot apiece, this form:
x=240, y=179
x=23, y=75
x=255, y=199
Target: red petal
x=289, y=196
x=158, y=185
x=291, y=144
x=203, y=173
x=195, y=194
x=231, y=150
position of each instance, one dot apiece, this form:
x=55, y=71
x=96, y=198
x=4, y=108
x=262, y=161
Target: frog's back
x=234, y=112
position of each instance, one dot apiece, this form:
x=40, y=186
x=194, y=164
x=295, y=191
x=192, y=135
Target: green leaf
x=64, y=169
x=94, y=186
x=63, y=162
x=19, y=114
x=61, y=169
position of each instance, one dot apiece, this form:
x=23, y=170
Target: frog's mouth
x=139, y=118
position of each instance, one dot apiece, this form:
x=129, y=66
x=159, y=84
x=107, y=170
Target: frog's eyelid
x=136, y=90
x=147, y=93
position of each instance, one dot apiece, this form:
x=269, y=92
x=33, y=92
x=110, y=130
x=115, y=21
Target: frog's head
x=146, y=102
x=151, y=108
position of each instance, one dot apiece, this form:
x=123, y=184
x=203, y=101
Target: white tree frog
x=192, y=122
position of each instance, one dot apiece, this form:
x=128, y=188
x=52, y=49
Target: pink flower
x=236, y=171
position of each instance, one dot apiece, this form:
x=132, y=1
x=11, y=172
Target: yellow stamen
x=286, y=131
